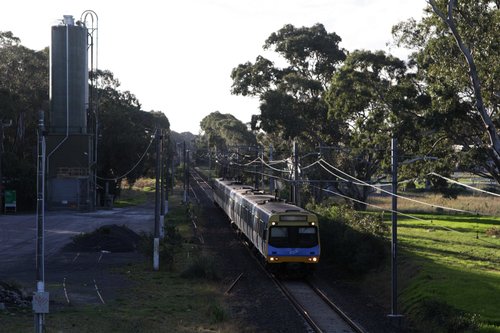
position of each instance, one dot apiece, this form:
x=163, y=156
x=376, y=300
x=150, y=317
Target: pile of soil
x=112, y=238
x=12, y=297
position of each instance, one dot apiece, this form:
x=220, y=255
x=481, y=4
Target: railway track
x=202, y=183
x=314, y=306
x=76, y=289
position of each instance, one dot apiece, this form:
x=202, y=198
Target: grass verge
x=457, y=287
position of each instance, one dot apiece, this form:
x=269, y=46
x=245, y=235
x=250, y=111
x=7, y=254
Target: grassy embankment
x=184, y=296
x=449, y=265
x=455, y=279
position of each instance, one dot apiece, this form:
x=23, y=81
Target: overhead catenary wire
x=369, y=204
x=464, y=185
x=359, y=182
x=133, y=168
x=403, y=214
x=400, y=196
x=362, y=183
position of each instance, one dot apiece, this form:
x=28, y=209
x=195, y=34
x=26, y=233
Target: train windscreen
x=293, y=237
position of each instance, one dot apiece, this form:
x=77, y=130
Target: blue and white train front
x=293, y=239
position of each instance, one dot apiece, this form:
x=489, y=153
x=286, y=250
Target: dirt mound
x=12, y=297
x=112, y=238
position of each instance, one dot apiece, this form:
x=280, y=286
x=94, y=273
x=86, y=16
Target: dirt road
x=69, y=277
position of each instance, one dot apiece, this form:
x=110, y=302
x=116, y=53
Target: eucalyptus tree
x=372, y=98
x=291, y=97
x=222, y=131
x=457, y=51
x=126, y=133
x=23, y=93
x=226, y=135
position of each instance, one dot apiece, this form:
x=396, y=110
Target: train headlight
x=273, y=258
x=313, y=259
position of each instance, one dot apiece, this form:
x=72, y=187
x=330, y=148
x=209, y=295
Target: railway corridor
x=320, y=314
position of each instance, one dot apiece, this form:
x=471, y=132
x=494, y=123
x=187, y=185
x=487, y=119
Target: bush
x=202, y=267
x=438, y=316
x=351, y=240
x=493, y=232
x=217, y=313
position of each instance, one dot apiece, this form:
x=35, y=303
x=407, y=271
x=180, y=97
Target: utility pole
x=295, y=175
x=217, y=173
x=185, y=174
x=271, y=179
x=172, y=171
x=40, y=297
x=256, y=175
x=261, y=166
x=1, y=159
x=209, y=161
x=156, y=241
x=238, y=167
x=394, y=241
x=2, y=190
x=166, y=152
x=162, y=185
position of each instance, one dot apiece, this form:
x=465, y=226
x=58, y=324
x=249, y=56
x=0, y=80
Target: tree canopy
x=457, y=55
x=222, y=131
x=124, y=129
x=23, y=92
x=291, y=97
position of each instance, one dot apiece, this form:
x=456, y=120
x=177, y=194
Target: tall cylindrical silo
x=68, y=78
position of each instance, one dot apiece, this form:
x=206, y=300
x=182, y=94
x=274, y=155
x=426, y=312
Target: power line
x=402, y=214
x=399, y=196
x=464, y=185
x=132, y=169
x=363, y=183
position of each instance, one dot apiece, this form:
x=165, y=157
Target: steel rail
x=338, y=310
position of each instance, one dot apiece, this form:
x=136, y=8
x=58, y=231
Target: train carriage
x=284, y=234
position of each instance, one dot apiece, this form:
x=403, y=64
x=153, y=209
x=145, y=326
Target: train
x=285, y=236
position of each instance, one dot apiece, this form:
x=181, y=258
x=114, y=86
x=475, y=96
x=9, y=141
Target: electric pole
x=40, y=297
x=185, y=174
x=156, y=241
x=394, y=241
x=271, y=179
x=295, y=175
x=162, y=184
x=2, y=190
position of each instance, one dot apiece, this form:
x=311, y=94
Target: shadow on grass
x=443, y=299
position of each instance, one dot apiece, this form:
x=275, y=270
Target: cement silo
x=69, y=77
x=70, y=144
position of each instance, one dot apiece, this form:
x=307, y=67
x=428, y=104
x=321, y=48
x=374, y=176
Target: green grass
x=131, y=197
x=459, y=265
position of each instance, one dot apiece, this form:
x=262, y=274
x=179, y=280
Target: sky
x=177, y=56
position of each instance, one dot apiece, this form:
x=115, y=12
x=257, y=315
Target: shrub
x=351, y=240
x=217, y=313
x=438, y=316
x=202, y=267
x=493, y=232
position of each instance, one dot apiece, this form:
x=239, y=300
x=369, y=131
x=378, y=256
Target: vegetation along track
x=320, y=313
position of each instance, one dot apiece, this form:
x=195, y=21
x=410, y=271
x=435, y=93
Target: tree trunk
x=475, y=82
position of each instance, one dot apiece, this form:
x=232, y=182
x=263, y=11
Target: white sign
x=41, y=302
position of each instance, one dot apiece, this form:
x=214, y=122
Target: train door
x=255, y=226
